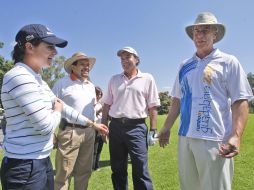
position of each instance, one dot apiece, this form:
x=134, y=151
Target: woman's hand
x=58, y=105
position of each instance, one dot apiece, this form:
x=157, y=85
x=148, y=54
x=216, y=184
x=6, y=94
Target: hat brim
x=220, y=33
x=70, y=61
x=119, y=53
x=58, y=42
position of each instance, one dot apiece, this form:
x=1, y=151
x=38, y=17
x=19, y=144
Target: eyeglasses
x=204, y=31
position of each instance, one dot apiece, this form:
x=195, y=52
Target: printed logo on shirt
x=203, y=115
x=208, y=71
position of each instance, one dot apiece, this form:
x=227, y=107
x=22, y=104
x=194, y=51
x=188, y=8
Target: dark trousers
x=27, y=174
x=98, y=145
x=124, y=139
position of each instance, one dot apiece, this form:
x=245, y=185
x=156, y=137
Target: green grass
x=163, y=164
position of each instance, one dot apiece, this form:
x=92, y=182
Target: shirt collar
x=140, y=74
x=73, y=77
x=29, y=69
x=214, y=53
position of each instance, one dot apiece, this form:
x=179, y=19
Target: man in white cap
x=211, y=94
x=131, y=96
x=75, y=143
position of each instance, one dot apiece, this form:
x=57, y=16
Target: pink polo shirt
x=131, y=98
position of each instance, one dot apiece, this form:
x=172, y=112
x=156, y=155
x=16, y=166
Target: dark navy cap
x=38, y=31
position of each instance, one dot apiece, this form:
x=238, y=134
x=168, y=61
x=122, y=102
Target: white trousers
x=201, y=167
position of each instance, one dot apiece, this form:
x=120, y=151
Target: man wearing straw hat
x=75, y=143
x=211, y=94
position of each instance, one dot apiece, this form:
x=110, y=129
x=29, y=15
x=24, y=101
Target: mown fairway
x=163, y=164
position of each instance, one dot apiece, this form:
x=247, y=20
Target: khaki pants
x=201, y=167
x=74, y=157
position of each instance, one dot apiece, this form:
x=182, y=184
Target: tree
x=4, y=67
x=165, y=103
x=250, y=78
x=51, y=74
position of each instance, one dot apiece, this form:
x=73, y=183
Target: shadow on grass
x=106, y=163
x=103, y=163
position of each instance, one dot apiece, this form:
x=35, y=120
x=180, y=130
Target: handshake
x=152, y=137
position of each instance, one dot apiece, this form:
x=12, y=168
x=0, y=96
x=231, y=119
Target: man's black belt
x=125, y=120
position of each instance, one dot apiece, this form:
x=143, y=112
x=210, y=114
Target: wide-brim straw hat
x=75, y=57
x=207, y=18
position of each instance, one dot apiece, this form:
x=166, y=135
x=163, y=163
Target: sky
x=155, y=28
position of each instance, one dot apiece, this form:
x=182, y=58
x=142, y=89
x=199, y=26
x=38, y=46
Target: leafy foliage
x=165, y=103
x=54, y=72
x=250, y=77
x=4, y=67
x=1, y=44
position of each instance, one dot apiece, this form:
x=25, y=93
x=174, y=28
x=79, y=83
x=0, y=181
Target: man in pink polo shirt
x=131, y=97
